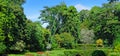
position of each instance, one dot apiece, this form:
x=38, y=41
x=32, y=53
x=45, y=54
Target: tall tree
x=13, y=22
x=105, y=22
x=60, y=16
x=111, y=1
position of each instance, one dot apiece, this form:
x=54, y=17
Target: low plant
x=99, y=42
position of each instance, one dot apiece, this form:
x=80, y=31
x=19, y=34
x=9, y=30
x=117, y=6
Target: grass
x=56, y=53
x=49, y=53
x=26, y=54
x=114, y=54
x=85, y=52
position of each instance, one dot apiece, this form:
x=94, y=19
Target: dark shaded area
x=78, y=55
x=3, y=54
x=98, y=53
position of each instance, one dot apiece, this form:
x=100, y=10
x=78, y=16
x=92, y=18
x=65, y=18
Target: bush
x=99, y=42
x=117, y=43
x=63, y=40
x=56, y=40
x=67, y=40
x=2, y=48
x=117, y=48
x=87, y=36
x=98, y=53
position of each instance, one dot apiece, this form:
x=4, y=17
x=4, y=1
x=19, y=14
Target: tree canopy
x=66, y=27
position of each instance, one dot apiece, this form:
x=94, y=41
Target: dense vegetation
x=66, y=27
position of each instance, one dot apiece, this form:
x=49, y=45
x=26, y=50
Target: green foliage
x=37, y=36
x=67, y=40
x=2, y=48
x=56, y=41
x=12, y=23
x=117, y=43
x=83, y=15
x=114, y=54
x=104, y=21
x=63, y=40
x=60, y=16
x=19, y=46
x=87, y=36
x=65, y=27
x=112, y=1
x=117, y=48
x=2, y=37
x=98, y=53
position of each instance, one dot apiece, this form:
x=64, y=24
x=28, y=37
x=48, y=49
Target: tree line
x=66, y=27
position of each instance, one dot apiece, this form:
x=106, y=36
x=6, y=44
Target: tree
x=60, y=16
x=13, y=22
x=87, y=36
x=83, y=14
x=37, y=36
x=63, y=40
x=111, y=1
x=104, y=21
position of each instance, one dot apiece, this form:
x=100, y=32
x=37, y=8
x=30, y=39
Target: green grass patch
x=71, y=52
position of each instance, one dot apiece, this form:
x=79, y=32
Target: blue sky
x=32, y=7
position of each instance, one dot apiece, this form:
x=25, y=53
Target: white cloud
x=80, y=7
x=33, y=17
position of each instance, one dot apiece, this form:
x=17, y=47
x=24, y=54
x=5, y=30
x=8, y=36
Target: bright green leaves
x=10, y=37
x=12, y=22
x=2, y=47
x=60, y=16
x=65, y=40
x=37, y=36
x=104, y=20
x=2, y=37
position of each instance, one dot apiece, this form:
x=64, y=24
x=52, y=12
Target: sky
x=32, y=7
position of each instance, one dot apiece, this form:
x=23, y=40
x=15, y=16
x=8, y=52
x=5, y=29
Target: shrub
x=64, y=40
x=117, y=48
x=56, y=40
x=67, y=40
x=87, y=36
x=2, y=48
x=99, y=42
x=98, y=53
x=117, y=43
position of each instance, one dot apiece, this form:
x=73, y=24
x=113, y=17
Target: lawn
x=69, y=52
x=84, y=51
x=47, y=53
